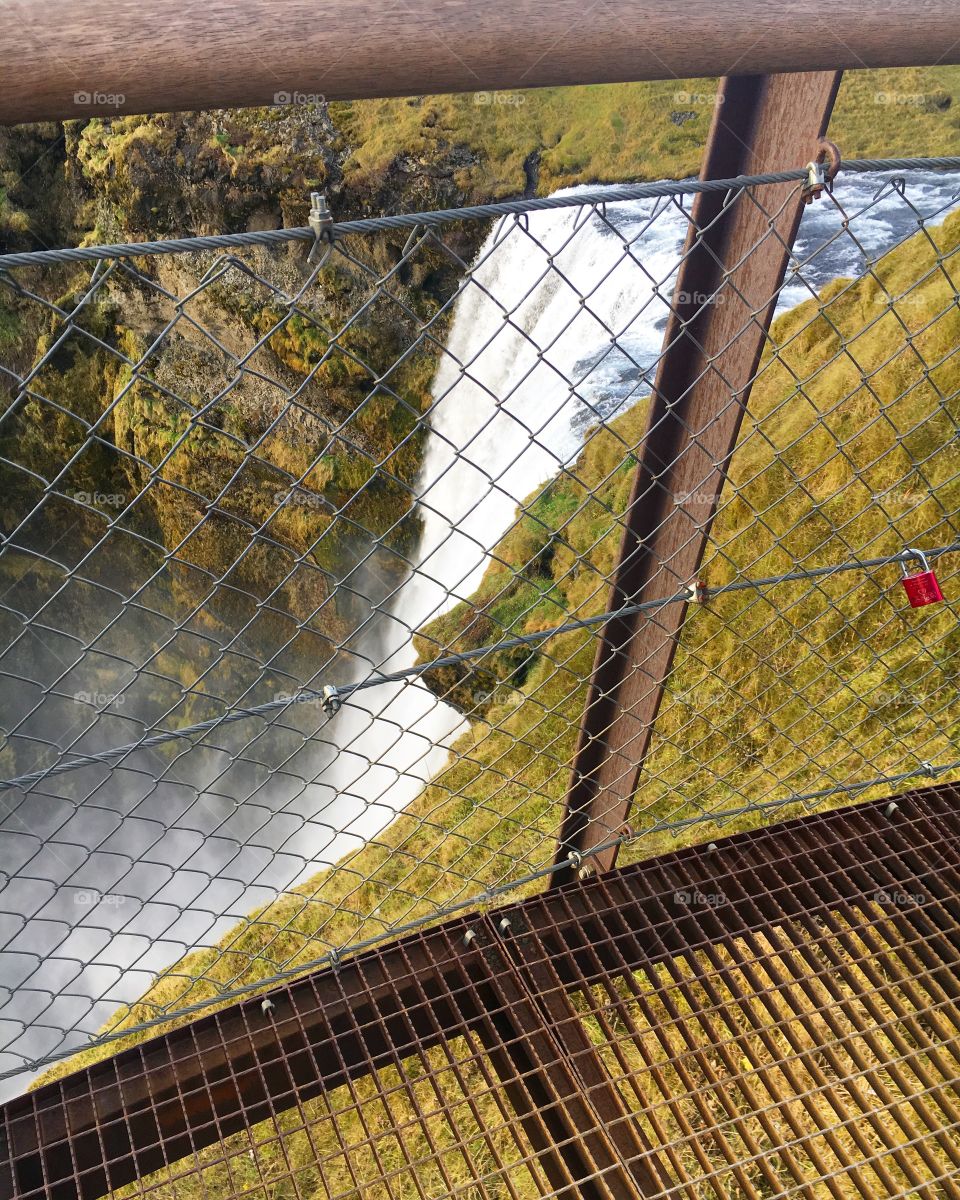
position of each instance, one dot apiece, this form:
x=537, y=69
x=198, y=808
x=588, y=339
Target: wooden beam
x=734, y=262
x=80, y=58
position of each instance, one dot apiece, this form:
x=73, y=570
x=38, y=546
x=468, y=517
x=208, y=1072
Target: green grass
x=616, y=132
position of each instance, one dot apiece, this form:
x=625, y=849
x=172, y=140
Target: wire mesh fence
x=770, y=1017
x=304, y=565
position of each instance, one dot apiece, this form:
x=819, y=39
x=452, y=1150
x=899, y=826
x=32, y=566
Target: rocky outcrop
x=191, y=405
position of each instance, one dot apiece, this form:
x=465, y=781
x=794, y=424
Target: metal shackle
x=909, y=553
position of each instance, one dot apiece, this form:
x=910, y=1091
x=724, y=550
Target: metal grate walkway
x=773, y=1015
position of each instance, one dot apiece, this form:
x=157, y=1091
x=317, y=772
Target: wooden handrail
x=82, y=57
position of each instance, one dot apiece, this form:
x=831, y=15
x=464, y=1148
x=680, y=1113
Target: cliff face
x=183, y=412
x=248, y=169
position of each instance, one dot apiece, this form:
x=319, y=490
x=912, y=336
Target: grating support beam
x=837, y=932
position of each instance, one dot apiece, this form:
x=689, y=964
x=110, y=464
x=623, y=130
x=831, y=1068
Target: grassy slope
x=613, y=132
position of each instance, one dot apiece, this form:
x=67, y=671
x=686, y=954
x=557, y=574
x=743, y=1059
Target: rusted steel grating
x=775, y=1016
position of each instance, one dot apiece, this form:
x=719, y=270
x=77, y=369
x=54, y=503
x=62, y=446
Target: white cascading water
x=527, y=372
x=525, y=362
x=500, y=427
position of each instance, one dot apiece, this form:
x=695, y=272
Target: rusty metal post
x=733, y=265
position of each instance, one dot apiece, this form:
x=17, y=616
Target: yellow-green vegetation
x=352, y=442
x=554, y=137
x=909, y=112
x=774, y=692
x=225, y=169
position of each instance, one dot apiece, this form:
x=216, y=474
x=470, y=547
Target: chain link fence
x=307, y=549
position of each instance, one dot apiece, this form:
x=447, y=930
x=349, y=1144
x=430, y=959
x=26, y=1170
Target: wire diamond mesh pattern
x=288, y=547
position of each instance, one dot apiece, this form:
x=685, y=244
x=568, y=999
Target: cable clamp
x=822, y=171
x=331, y=700
x=321, y=222
x=696, y=592
x=816, y=181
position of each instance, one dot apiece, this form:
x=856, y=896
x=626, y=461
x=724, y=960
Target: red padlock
x=921, y=588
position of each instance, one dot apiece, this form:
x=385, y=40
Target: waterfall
x=527, y=369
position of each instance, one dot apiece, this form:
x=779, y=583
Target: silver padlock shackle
x=912, y=552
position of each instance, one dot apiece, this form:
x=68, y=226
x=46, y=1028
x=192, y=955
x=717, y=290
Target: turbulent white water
x=528, y=370
x=527, y=367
